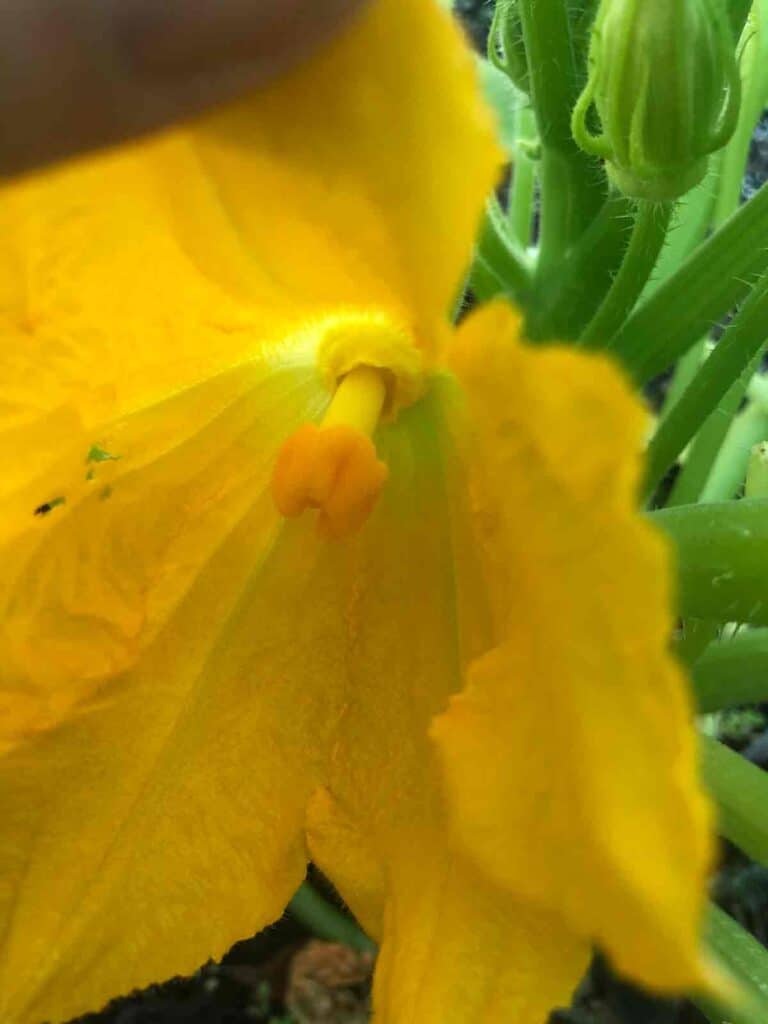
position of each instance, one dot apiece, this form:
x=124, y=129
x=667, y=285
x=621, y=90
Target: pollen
x=334, y=467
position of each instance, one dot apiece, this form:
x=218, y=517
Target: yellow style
x=461, y=705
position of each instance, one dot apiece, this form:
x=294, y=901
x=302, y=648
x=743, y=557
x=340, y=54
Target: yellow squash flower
x=461, y=708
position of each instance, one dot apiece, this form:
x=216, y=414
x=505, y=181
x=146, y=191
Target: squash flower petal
x=573, y=727
x=196, y=695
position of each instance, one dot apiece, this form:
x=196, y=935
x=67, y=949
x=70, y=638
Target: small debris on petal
x=49, y=506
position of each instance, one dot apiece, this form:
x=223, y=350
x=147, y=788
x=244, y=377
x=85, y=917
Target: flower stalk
x=646, y=242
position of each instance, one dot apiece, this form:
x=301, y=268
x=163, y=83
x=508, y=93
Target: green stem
x=746, y=961
x=732, y=672
x=740, y=792
x=570, y=300
x=733, y=164
x=499, y=265
x=558, y=192
x=708, y=285
x=737, y=351
x=523, y=186
x=570, y=184
x=722, y=552
x=730, y=467
x=754, y=93
x=690, y=223
x=326, y=921
x=739, y=11
x=646, y=242
x=706, y=475
x=688, y=365
x=692, y=481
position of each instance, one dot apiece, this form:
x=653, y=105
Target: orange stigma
x=334, y=467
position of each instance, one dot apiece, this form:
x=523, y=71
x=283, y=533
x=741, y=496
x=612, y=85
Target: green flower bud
x=664, y=78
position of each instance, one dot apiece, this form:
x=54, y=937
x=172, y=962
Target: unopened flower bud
x=664, y=79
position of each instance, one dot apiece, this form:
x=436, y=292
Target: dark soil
x=757, y=168
x=477, y=16
x=248, y=987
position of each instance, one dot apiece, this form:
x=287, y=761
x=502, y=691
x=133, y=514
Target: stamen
x=333, y=467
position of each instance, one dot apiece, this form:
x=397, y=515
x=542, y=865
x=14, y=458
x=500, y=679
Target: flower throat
x=374, y=369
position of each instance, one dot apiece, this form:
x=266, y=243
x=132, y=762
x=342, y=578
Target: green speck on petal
x=98, y=454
